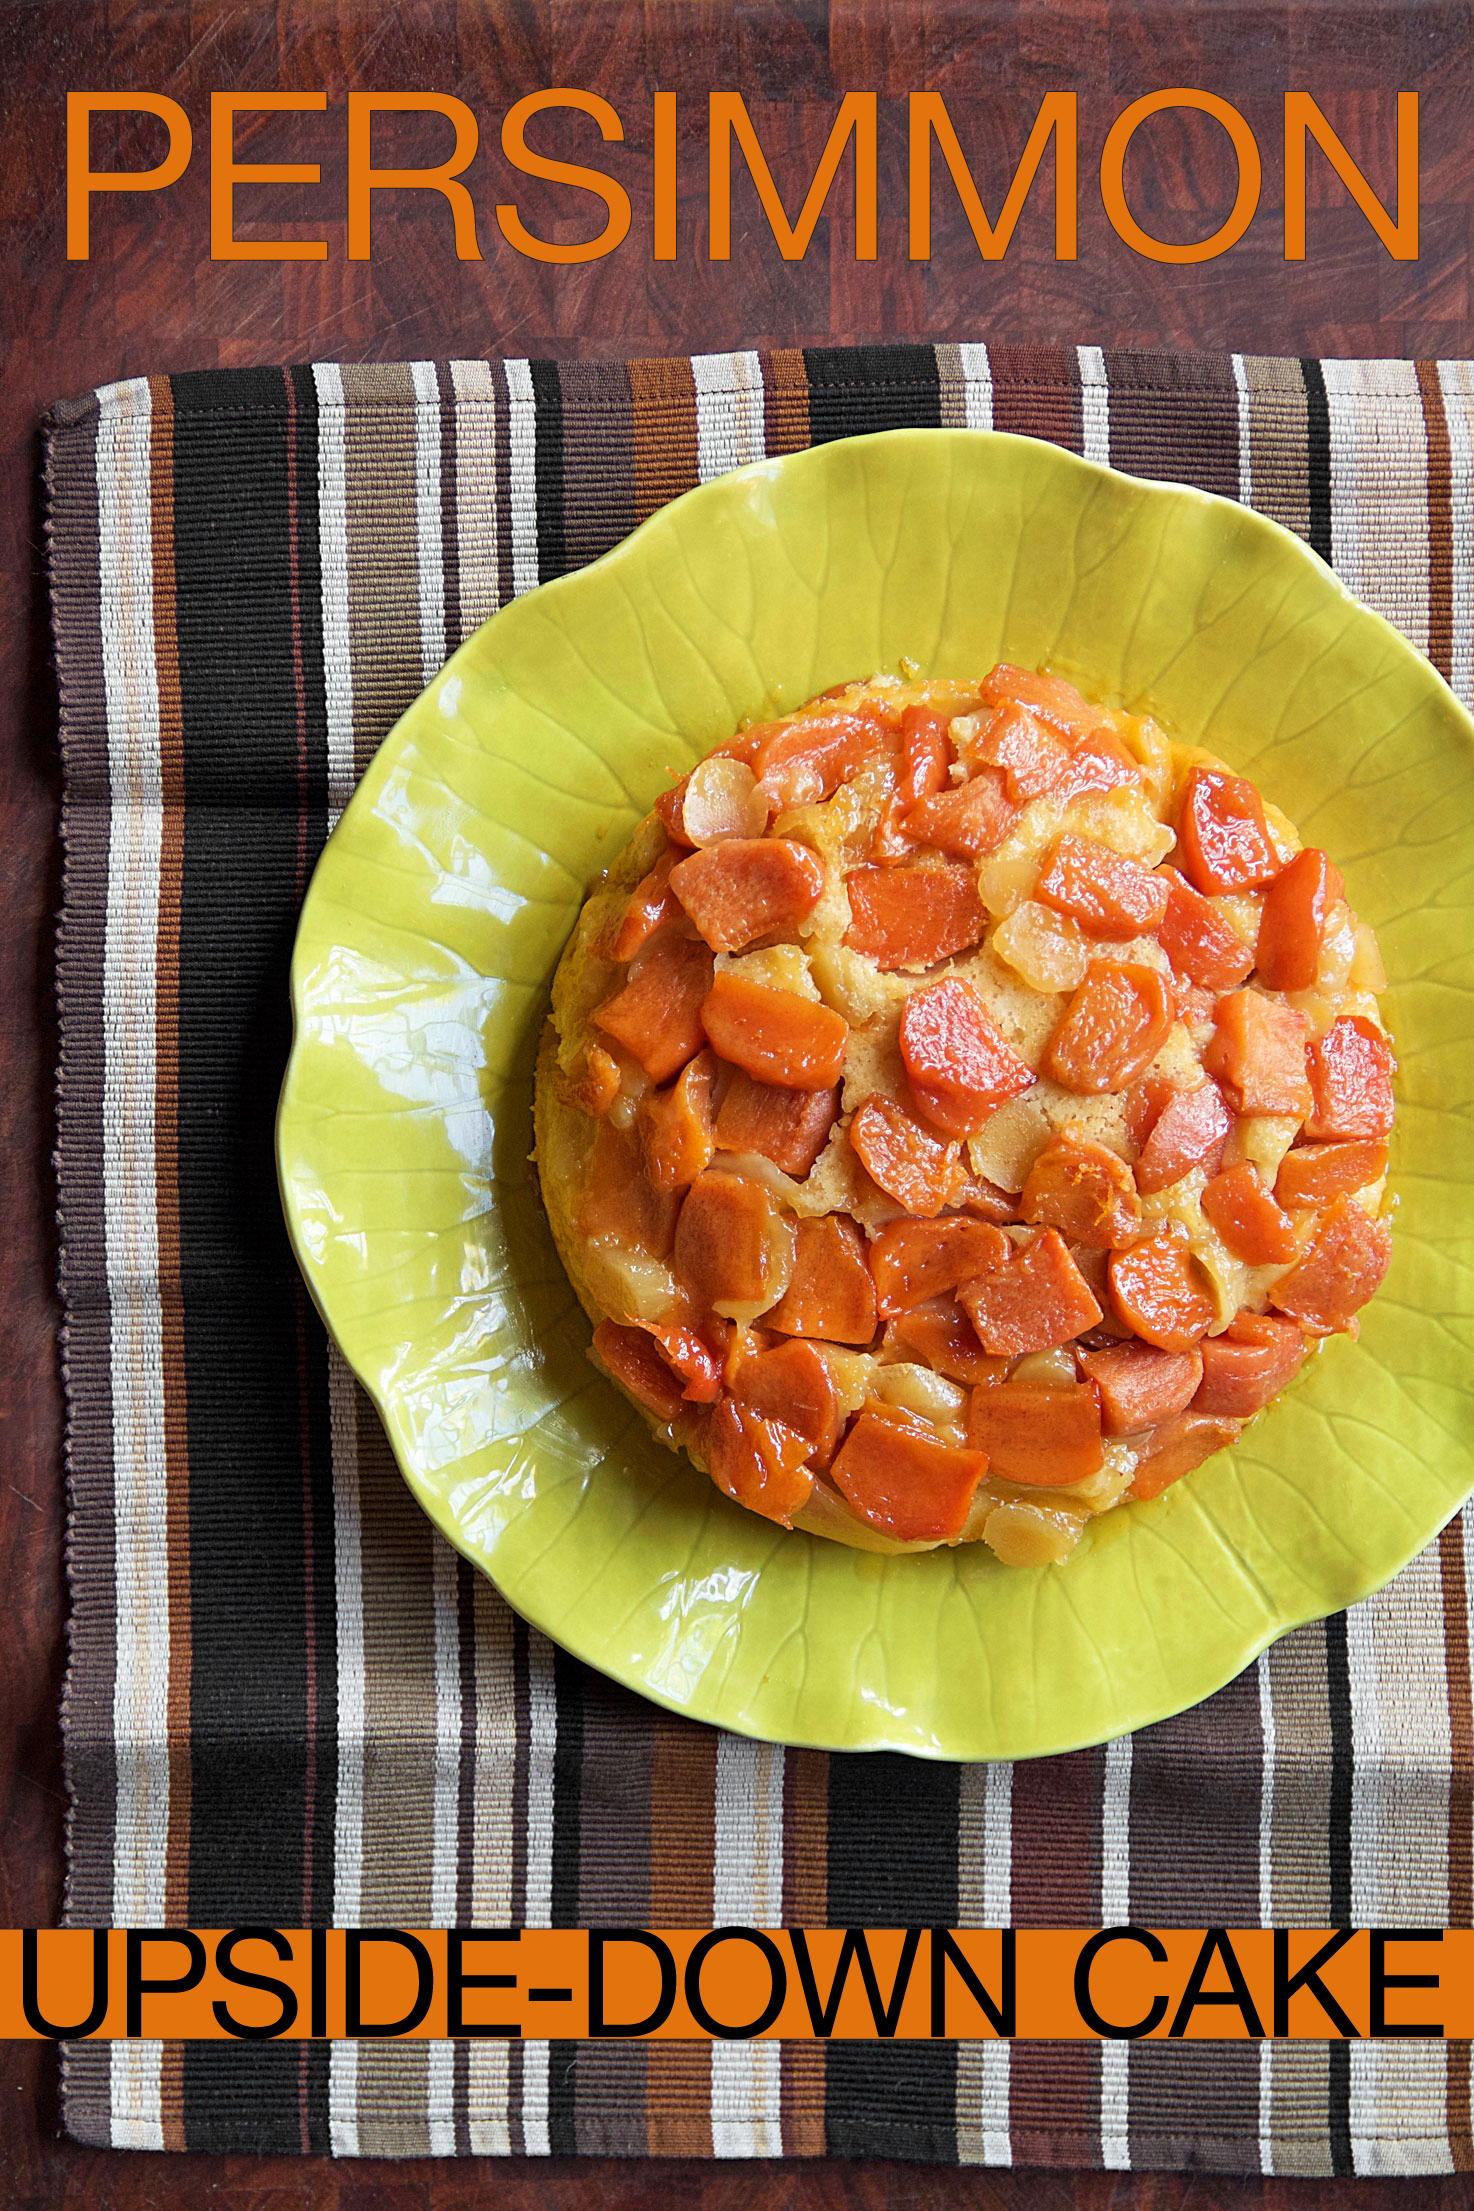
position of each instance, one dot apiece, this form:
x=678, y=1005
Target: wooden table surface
x=151, y=299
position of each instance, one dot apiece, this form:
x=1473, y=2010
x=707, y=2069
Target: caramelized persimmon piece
x=1252, y=1226
x=1257, y=1052
x=1141, y=1386
x=911, y=1165
x=650, y=907
x=1222, y=834
x=1188, y=1132
x=801, y=762
x=1350, y=1070
x=1040, y=1436
x=777, y=1036
x=657, y=1015
x=1114, y=1027
x=669, y=807
x=1313, y=1174
x=675, y=1126
x=592, y=1082
x=758, y=1463
x=1032, y=755
x=900, y=1479
x=1107, y=893
x=1338, y=1270
x=1159, y=1291
x=723, y=1251
x=791, y=1383
x=940, y=1334
x=1037, y=1300
x=913, y=916
x=635, y=1361
x=1179, y=1446
x=1099, y=762
x=975, y=1194
x=960, y=1064
x=619, y=1202
x=1248, y=1365
x=1293, y=923
x=925, y=757
x=746, y=887
x=1083, y=1190
x=915, y=1260
x=830, y=1293
x=969, y=821
x=1198, y=940
x=790, y=1127
x=1049, y=697
x=692, y=1362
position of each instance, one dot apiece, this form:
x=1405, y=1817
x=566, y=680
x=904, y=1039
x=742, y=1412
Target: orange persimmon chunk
x=1140, y=1385
x=1257, y=1052
x=1107, y=893
x=1083, y=1190
x=1114, y=1026
x=900, y=1479
x=777, y=1036
x=723, y=1250
x=1041, y=1436
x=1350, y=1071
x=925, y=757
x=1049, y=697
x=746, y=887
x=940, y=1334
x=675, y=1125
x=908, y=1162
x=1032, y=755
x=692, y=1361
x=1222, y=834
x=1313, y=1174
x=1190, y=1131
x=915, y=1260
x=1293, y=923
x=619, y=1201
x=790, y=1127
x=801, y=762
x=1248, y=1365
x=650, y=908
x=1337, y=1272
x=960, y=1064
x=759, y=1463
x=1158, y=1290
x=1038, y=1299
x=657, y=1015
x=791, y=1383
x=913, y=916
x=1099, y=762
x=1179, y=1446
x=830, y=1293
x=592, y=1082
x=1252, y=1226
x=969, y=821
x=634, y=1360
x=1198, y=940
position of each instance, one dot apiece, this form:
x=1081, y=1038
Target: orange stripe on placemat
x=664, y=397
x=166, y=1158
x=683, y=1777
x=805, y=1904
x=785, y=401
x=1440, y=523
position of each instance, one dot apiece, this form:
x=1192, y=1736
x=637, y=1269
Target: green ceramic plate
x=421, y=978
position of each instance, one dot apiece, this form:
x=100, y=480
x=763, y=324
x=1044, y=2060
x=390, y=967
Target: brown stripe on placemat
x=383, y=551
x=479, y=527
x=1054, y=2087
x=1452, y=1560
x=601, y=470
x=805, y=1904
x=682, y=1845
x=1440, y=523
x=785, y=401
x=1278, y=457
x=1176, y=416
x=662, y=432
x=1036, y=393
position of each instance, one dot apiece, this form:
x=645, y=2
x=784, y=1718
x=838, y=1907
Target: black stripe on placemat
x=1318, y=456
x=871, y=387
x=567, y=1813
x=893, y=1826
x=547, y=393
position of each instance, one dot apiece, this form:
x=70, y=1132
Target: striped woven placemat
x=288, y=1701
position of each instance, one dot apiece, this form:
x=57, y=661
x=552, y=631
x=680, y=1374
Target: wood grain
x=150, y=299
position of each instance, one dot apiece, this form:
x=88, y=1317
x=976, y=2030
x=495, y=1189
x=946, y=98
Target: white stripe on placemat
x=977, y=393
x=1456, y=381
x=1115, y=1911
x=130, y=1220
x=440, y=2118
x=343, y=2098
x=332, y=530
x=729, y=411
x=747, y=1891
x=1379, y=503
x=537, y=1910
x=1246, y=450
x=985, y=1899
x=445, y=1813
x=477, y=522
x=431, y=559
x=522, y=474
x=1095, y=404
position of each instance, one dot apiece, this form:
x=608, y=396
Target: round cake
x=961, y=1109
